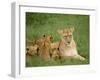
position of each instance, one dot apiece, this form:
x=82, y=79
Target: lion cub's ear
x=44, y=35
x=50, y=38
x=72, y=29
x=60, y=31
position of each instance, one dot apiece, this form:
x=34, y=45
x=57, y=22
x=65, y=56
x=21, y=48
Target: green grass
x=38, y=24
x=36, y=61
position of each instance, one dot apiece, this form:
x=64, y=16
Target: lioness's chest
x=70, y=51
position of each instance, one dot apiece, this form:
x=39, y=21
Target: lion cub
x=67, y=45
x=44, y=47
x=31, y=50
x=55, y=50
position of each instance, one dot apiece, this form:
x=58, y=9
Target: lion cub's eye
x=70, y=35
x=65, y=36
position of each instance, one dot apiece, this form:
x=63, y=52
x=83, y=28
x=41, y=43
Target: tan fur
x=67, y=46
x=31, y=50
x=44, y=47
x=54, y=45
x=54, y=50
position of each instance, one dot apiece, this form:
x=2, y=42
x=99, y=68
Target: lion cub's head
x=67, y=34
x=31, y=50
x=44, y=41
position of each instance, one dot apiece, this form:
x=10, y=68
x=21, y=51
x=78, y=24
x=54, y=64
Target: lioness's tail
x=79, y=57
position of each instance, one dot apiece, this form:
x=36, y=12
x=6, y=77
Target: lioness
x=67, y=45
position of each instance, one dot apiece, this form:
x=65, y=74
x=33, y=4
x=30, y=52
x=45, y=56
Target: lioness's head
x=67, y=34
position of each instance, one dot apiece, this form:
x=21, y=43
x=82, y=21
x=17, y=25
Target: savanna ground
x=38, y=24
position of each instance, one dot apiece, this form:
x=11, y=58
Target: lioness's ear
x=60, y=31
x=72, y=29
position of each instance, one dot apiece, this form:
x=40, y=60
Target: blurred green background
x=38, y=24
